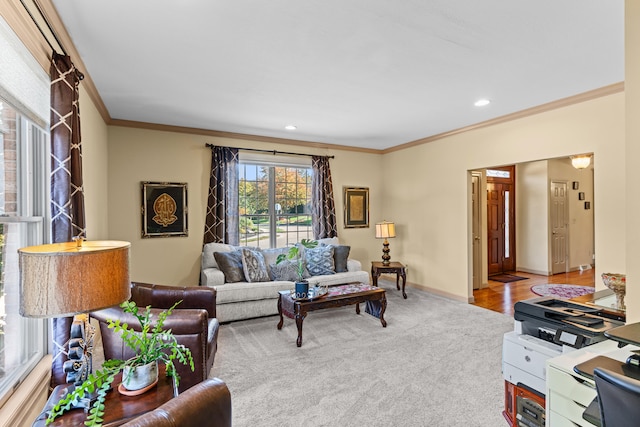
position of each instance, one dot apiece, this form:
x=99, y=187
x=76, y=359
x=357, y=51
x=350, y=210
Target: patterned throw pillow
x=320, y=260
x=230, y=263
x=287, y=270
x=255, y=269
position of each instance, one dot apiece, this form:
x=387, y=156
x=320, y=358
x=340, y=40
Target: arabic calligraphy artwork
x=164, y=209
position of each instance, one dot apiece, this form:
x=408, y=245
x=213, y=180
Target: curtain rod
x=274, y=152
x=51, y=30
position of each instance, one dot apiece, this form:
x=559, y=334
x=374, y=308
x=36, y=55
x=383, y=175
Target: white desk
x=569, y=393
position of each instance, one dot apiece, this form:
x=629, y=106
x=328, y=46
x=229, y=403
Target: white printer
x=544, y=328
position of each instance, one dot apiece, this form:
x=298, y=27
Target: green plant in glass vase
x=152, y=344
x=295, y=253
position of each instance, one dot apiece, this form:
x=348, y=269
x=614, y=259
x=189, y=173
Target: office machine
x=563, y=322
x=545, y=327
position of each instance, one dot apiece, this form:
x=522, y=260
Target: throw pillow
x=230, y=263
x=255, y=269
x=320, y=260
x=340, y=257
x=287, y=270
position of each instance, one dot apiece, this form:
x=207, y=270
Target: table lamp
x=72, y=279
x=385, y=230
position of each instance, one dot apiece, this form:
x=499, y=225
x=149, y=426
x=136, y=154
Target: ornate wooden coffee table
x=337, y=296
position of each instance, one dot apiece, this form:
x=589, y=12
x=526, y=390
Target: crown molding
x=554, y=105
x=242, y=136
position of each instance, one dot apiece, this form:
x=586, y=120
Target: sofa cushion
x=340, y=257
x=287, y=270
x=245, y=291
x=271, y=255
x=230, y=263
x=255, y=269
x=320, y=260
x=208, y=260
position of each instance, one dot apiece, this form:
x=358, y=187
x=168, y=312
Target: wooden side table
x=377, y=268
x=119, y=409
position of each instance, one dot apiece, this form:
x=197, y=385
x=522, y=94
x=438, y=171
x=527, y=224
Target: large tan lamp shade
x=385, y=230
x=65, y=279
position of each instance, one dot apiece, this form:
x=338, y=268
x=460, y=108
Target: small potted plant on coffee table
x=152, y=345
x=295, y=253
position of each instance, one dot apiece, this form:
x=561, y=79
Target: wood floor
x=501, y=297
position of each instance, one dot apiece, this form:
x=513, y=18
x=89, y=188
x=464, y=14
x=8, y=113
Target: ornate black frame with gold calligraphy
x=164, y=209
x=356, y=207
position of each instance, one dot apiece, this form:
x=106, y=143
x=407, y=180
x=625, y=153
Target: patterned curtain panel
x=67, y=198
x=221, y=224
x=323, y=212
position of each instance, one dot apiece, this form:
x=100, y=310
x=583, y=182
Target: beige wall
x=94, y=169
x=427, y=190
x=137, y=155
x=632, y=177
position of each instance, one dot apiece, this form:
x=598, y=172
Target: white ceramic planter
x=139, y=377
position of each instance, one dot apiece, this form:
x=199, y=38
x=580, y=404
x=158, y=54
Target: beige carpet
x=438, y=363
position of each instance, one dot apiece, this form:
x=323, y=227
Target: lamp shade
x=385, y=230
x=581, y=162
x=63, y=279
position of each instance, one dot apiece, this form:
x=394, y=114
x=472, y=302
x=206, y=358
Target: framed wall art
x=164, y=209
x=356, y=207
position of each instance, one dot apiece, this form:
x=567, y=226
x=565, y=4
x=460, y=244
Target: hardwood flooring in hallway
x=501, y=297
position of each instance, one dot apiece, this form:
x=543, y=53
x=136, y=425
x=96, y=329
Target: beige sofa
x=245, y=299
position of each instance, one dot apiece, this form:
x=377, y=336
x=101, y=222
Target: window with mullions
x=274, y=205
x=23, y=178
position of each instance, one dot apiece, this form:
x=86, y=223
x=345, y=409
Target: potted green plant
x=295, y=253
x=152, y=345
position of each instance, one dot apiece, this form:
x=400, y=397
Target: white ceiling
x=362, y=73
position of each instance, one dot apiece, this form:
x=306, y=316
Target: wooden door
x=495, y=231
x=501, y=222
x=559, y=227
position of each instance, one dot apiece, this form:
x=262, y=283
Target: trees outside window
x=274, y=205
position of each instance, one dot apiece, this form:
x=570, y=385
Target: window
x=23, y=209
x=274, y=204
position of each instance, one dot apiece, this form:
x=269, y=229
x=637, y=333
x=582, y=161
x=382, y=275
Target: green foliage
x=294, y=253
x=153, y=343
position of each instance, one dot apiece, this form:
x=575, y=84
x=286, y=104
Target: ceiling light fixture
x=291, y=127
x=482, y=102
x=581, y=161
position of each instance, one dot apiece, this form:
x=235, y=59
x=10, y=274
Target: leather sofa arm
x=205, y=404
x=161, y=296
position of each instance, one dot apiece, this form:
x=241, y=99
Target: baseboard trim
x=531, y=271
x=439, y=293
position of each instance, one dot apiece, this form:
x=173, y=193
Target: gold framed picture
x=356, y=207
x=164, y=209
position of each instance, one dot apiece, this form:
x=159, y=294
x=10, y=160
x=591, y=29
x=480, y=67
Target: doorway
x=501, y=235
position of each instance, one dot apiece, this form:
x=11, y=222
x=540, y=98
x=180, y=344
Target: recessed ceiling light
x=482, y=102
x=291, y=127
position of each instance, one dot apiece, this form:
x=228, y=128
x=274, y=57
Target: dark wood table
x=338, y=296
x=378, y=268
x=119, y=408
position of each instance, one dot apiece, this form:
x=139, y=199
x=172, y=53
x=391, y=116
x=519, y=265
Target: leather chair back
x=205, y=404
x=619, y=398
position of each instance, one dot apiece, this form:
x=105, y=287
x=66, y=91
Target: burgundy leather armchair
x=205, y=404
x=193, y=322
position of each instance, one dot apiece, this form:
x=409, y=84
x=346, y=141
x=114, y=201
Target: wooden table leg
x=358, y=308
x=299, y=319
x=404, y=282
x=383, y=307
x=374, y=276
x=280, y=323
